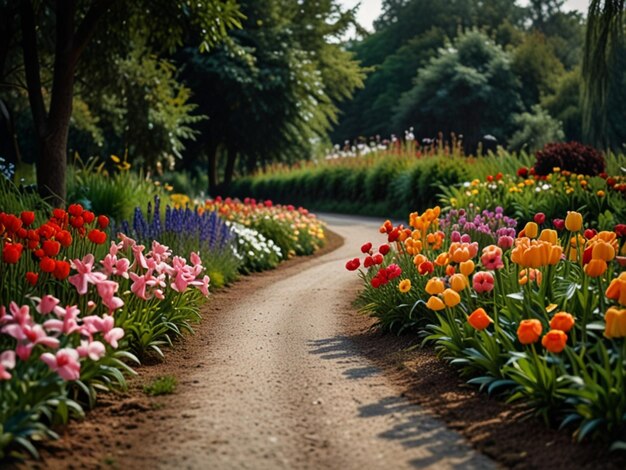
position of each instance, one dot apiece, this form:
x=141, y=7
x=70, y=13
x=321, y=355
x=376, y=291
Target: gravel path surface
x=272, y=380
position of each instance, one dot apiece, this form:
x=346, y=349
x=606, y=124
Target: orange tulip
x=479, y=319
x=435, y=303
x=467, y=267
x=458, y=282
x=531, y=230
x=451, y=298
x=533, y=275
x=435, y=286
x=603, y=250
x=529, y=331
x=617, y=289
x=615, y=320
x=404, y=286
x=442, y=260
x=562, y=321
x=554, y=341
x=573, y=221
x=548, y=235
x=595, y=268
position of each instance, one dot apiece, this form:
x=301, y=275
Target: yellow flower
x=435, y=303
x=467, y=267
x=601, y=193
x=595, y=268
x=404, y=286
x=115, y=159
x=603, y=250
x=573, y=221
x=549, y=235
x=531, y=230
x=615, y=323
x=434, y=286
x=451, y=298
x=458, y=282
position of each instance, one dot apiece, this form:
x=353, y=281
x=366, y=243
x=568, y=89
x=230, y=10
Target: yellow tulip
x=451, y=297
x=435, y=286
x=404, y=286
x=615, y=320
x=458, y=282
x=549, y=235
x=435, y=303
x=603, y=250
x=574, y=221
x=467, y=267
x=531, y=230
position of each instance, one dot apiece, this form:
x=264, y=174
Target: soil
x=283, y=373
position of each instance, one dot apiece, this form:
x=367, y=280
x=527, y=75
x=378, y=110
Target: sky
x=370, y=9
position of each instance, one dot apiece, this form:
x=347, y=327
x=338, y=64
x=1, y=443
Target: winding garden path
x=276, y=383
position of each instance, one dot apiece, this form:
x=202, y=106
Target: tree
x=70, y=26
x=272, y=88
x=469, y=89
x=603, y=69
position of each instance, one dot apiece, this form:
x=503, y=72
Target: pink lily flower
x=202, y=285
x=140, y=259
x=94, y=350
x=126, y=242
x=160, y=252
x=28, y=337
x=85, y=275
x=65, y=363
x=7, y=362
x=139, y=284
x=47, y=304
x=195, y=259
x=114, y=266
x=106, y=290
x=68, y=324
x=111, y=334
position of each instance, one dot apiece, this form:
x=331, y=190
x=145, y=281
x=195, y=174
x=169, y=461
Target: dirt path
x=273, y=382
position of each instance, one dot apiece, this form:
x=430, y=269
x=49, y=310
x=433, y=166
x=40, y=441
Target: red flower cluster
x=47, y=241
x=385, y=275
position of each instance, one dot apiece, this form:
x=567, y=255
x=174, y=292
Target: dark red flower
x=539, y=218
x=21, y=233
x=620, y=230
x=384, y=249
x=393, y=235
x=28, y=217
x=368, y=262
x=378, y=258
x=559, y=224
x=590, y=233
x=522, y=172
x=97, y=236
x=366, y=247
x=426, y=267
x=77, y=221
x=353, y=264
x=12, y=252
x=59, y=214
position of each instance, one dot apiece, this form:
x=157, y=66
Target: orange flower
x=450, y=270
x=595, y=268
x=479, y=319
x=404, y=286
x=467, y=267
x=451, y=298
x=617, y=289
x=615, y=320
x=533, y=275
x=603, y=250
x=435, y=303
x=435, y=286
x=548, y=235
x=554, y=341
x=531, y=230
x=529, y=331
x=442, y=260
x=573, y=221
x=458, y=282
x=419, y=259
x=562, y=321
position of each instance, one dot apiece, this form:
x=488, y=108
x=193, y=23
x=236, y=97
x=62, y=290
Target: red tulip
x=28, y=217
x=12, y=252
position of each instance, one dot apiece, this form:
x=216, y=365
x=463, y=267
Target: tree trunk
x=212, y=170
x=230, y=168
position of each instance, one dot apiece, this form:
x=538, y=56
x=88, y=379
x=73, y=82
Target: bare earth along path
x=276, y=384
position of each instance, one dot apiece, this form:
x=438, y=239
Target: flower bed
x=537, y=315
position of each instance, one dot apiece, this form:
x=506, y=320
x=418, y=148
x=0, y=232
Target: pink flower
x=106, y=290
x=126, y=242
x=203, y=285
x=84, y=275
x=114, y=266
x=68, y=324
x=455, y=236
x=140, y=259
x=483, y=282
x=65, y=363
x=28, y=336
x=160, y=252
x=19, y=315
x=492, y=257
x=139, y=284
x=505, y=242
x=94, y=350
x=195, y=259
x=7, y=362
x=47, y=304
